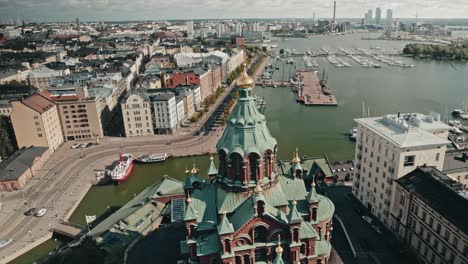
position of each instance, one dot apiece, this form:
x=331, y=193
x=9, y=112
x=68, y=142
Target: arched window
x=254, y=160
x=227, y=246
x=314, y=214
x=303, y=249
x=296, y=234
x=267, y=164
x=246, y=259
x=260, y=234
x=223, y=168
x=238, y=260
x=236, y=166
x=299, y=174
x=260, y=207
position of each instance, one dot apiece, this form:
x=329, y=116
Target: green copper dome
x=246, y=130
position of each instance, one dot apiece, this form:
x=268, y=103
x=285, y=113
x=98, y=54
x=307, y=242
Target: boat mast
x=363, y=110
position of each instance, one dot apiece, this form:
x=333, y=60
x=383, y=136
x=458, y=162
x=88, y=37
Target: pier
x=275, y=83
x=310, y=92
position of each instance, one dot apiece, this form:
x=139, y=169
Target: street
x=370, y=246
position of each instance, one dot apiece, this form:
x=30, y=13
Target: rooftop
x=407, y=130
x=39, y=102
x=440, y=192
x=13, y=167
x=456, y=161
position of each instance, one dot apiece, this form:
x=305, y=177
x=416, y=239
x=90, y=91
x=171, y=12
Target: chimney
x=398, y=115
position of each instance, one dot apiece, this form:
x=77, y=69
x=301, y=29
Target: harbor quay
x=313, y=92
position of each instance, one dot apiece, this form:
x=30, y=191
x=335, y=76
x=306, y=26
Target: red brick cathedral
x=254, y=208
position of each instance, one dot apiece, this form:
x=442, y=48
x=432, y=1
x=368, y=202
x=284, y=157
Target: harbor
x=313, y=92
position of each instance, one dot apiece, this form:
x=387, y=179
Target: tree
x=264, y=49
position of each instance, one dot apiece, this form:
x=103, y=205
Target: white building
x=238, y=28
x=220, y=29
x=378, y=16
x=165, y=112
x=137, y=116
x=190, y=31
x=389, y=17
x=390, y=147
x=180, y=109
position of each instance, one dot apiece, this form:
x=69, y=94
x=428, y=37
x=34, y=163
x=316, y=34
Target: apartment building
x=80, y=115
x=137, y=115
x=36, y=122
x=165, y=112
x=43, y=76
x=431, y=218
x=390, y=147
x=456, y=166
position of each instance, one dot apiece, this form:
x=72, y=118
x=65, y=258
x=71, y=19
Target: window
x=437, y=156
x=409, y=161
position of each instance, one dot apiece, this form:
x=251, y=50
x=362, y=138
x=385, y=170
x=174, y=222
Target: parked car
x=4, y=243
x=377, y=229
x=75, y=146
x=368, y=219
x=41, y=212
x=31, y=211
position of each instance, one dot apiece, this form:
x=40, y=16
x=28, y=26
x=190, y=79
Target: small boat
x=152, y=158
x=123, y=168
x=290, y=61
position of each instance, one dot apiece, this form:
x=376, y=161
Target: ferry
x=123, y=168
x=152, y=158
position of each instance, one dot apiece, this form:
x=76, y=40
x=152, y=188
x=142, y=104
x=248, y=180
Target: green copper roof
x=307, y=231
x=246, y=130
x=278, y=259
x=294, y=217
x=191, y=213
x=208, y=244
x=203, y=202
x=212, y=169
x=312, y=196
x=225, y=227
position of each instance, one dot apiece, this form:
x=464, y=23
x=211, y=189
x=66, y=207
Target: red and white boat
x=123, y=169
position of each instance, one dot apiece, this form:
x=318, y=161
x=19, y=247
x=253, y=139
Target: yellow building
x=36, y=122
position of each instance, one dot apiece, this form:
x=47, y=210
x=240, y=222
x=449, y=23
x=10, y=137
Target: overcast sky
x=113, y=10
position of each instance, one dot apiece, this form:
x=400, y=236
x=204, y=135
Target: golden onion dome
x=296, y=159
x=258, y=189
x=245, y=81
x=279, y=249
x=194, y=170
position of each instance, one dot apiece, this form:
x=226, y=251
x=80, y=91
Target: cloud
x=187, y=9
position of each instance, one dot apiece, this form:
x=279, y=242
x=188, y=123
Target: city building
x=43, y=77
x=21, y=166
x=220, y=30
x=370, y=19
x=190, y=31
x=430, y=216
x=378, y=16
x=389, y=17
x=390, y=147
x=456, y=166
x=253, y=209
x=165, y=112
x=36, y=122
x=137, y=114
x=80, y=114
x=5, y=108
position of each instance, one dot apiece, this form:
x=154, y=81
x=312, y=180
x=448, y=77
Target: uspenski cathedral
x=253, y=208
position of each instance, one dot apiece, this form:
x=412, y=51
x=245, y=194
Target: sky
x=120, y=10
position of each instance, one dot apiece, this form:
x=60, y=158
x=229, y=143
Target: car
x=75, y=146
x=344, y=169
x=31, y=211
x=377, y=229
x=41, y=212
x=367, y=219
x=351, y=168
x=4, y=243
x=85, y=145
x=338, y=170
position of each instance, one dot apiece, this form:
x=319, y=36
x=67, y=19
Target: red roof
x=38, y=103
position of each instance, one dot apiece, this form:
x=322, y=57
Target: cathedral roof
x=225, y=227
x=212, y=169
x=312, y=196
x=246, y=130
x=294, y=217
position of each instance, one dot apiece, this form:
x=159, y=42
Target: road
x=66, y=177
x=370, y=246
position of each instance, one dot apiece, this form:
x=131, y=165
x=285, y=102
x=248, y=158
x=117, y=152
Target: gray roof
x=438, y=191
x=162, y=97
x=405, y=133
x=13, y=167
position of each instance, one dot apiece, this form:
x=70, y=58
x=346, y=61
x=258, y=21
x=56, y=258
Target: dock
x=275, y=83
x=310, y=92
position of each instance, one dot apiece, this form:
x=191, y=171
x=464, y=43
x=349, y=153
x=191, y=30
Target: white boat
x=290, y=61
x=123, y=169
x=152, y=158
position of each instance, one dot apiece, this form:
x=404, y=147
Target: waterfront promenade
x=68, y=175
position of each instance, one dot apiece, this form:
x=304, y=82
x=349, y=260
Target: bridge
x=67, y=230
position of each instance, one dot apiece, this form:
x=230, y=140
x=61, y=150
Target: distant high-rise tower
x=378, y=16
x=77, y=22
x=334, y=17
x=219, y=29
x=190, y=32
x=370, y=19
x=313, y=19
x=389, y=17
